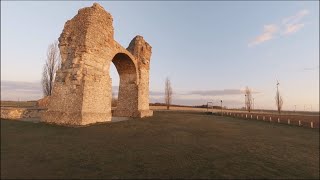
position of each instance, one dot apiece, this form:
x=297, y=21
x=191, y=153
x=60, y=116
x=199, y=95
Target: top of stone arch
x=92, y=26
x=87, y=42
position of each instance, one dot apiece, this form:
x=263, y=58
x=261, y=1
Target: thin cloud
x=293, y=28
x=25, y=91
x=311, y=68
x=290, y=25
x=269, y=32
x=295, y=18
x=218, y=92
x=198, y=101
x=156, y=93
x=293, y=24
x=197, y=93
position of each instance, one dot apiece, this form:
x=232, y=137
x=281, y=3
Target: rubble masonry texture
x=83, y=89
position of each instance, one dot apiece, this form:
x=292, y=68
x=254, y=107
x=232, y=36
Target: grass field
x=18, y=103
x=167, y=145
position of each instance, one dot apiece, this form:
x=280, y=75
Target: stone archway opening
x=127, y=99
x=115, y=81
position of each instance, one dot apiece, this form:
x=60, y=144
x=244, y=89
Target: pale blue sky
x=204, y=47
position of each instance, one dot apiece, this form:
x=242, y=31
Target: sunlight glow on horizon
x=201, y=46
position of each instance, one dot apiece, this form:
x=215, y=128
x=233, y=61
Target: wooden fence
x=298, y=120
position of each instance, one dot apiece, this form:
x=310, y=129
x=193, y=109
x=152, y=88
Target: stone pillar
x=82, y=89
x=141, y=50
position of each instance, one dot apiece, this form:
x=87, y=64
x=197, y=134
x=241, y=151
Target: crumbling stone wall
x=83, y=90
x=43, y=102
x=17, y=113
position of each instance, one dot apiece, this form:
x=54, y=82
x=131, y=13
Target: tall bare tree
x=50, y=68
x=168, y=93
x=248, y=98
x=279, y=100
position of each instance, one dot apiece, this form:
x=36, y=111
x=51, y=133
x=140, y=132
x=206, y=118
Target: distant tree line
x=249, y=99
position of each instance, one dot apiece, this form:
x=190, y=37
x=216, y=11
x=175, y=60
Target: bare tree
x=248, y=99
x=279, y=100
x=168, y=93
x=50, y=68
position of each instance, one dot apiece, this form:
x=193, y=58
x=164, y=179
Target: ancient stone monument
x=82, y=91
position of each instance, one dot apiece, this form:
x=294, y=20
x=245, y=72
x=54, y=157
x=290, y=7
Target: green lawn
x=167, y=145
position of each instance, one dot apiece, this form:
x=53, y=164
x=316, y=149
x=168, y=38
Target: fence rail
x=303, y=121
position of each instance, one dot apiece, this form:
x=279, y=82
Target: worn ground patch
x=167, y=145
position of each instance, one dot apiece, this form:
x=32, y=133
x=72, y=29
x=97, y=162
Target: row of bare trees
x=249, y=99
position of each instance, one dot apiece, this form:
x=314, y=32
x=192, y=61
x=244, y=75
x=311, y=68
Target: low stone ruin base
x=76, y=118
x=89, y=118
x=18, y=113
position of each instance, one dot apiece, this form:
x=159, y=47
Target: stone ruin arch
x=83, y=90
